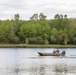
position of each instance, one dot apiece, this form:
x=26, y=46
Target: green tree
x=16, y=24
x=53, y=36
x=42, y=17
x=61, y=22
x=34, y=17
x=27, y=31
x=16, y=17
x=5, y=32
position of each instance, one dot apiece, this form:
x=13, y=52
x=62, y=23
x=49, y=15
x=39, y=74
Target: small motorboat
x=51, y=54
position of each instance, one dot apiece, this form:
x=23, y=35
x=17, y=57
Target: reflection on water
x=63, y=69
x=57, y=69
x=26, y=61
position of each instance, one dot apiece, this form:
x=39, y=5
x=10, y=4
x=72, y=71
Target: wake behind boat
x=51, y=54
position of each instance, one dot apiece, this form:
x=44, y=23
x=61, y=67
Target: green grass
x=52, y=46
x=35, y=46
x=12, y=45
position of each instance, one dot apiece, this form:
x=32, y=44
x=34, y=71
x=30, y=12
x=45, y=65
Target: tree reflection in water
x=56, y=69
x=43, y=69
x=46, y=69
x=64, y=69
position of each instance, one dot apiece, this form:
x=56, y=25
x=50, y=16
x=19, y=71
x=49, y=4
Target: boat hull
x=50, y=54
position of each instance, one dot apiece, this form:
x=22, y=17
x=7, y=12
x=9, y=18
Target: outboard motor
x=63, y=52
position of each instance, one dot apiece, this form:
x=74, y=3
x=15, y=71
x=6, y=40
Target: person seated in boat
x=57, y=51
x=54, y=51
x=63, y=52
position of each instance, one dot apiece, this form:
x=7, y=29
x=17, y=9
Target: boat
x=50, y=54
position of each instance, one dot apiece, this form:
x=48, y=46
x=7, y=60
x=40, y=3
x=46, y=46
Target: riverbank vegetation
x=38, y=30
x=35, y=46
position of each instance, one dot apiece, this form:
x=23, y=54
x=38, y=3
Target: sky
x=26, y=8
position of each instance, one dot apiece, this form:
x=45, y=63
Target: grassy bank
x=35, y=46
x=52, y=46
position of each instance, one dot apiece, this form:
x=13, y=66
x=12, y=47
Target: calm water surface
x=26, y=61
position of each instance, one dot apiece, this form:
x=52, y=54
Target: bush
x=65, y=42
x=26, y=41
x=46, y=42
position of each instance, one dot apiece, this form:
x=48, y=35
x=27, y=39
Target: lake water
x=26, y=61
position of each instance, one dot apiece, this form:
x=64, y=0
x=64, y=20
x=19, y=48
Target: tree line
x=38, y=30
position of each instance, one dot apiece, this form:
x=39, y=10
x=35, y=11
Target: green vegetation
x=35, y=46
x=39, y=30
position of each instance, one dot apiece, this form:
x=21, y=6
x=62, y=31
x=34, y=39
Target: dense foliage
x=39, y=30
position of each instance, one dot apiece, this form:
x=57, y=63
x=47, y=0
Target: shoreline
x=35, y=46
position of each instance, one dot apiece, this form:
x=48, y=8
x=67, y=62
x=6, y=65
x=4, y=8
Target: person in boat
x=56, y=51
x=63, y=52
